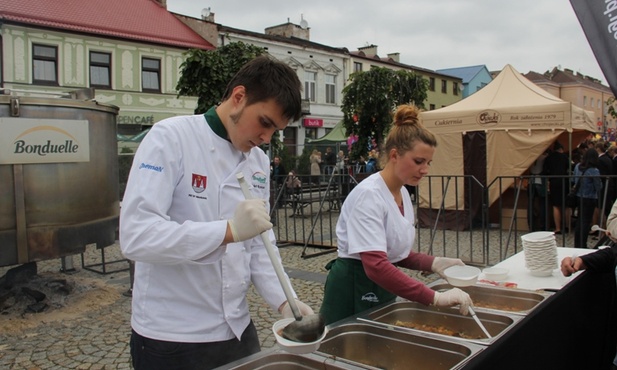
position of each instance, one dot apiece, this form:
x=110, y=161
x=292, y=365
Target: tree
x=370, y=99
x=205, y=74
x=611, y=107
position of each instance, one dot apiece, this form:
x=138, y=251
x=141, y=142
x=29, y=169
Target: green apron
x=349, y=291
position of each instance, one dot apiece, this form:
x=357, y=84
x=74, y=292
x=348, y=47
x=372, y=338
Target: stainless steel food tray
x=376, y=347
x=509, y=300
x=448, y=319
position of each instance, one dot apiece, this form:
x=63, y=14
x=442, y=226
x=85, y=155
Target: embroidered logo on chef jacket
x=199, y=183
x=370, y=297
x=259, y=180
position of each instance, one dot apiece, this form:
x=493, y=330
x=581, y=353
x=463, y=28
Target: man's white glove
x=442, y=263
x=250, y=219
x=305, y=310
x=453, y=297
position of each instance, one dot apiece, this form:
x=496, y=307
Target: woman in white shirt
x=376, y=232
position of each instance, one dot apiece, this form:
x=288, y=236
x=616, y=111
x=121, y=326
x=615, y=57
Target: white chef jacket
x=181, y=191
x=370, y=220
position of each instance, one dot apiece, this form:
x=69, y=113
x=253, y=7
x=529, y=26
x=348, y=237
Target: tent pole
x=570, y=152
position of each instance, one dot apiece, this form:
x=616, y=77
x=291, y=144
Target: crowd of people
x=589, y=172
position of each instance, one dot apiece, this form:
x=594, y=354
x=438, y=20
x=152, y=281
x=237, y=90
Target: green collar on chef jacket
x=215, y=123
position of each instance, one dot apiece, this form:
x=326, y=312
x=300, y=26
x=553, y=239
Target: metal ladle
x=475, y=317
x=306, y=328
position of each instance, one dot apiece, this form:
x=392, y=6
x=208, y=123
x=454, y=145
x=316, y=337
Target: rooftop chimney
x=369, y=50
x=395, y=57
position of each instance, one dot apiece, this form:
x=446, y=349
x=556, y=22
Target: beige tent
x=498, y=131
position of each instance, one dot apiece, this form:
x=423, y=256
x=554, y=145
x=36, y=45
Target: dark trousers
x=585, y=218
x=151, y=354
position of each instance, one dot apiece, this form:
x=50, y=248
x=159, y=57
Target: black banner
x=598, y=18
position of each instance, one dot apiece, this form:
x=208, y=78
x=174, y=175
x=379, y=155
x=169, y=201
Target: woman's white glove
x=250, y=219
x=305, y=310
x=453, y=297
x=442, y=263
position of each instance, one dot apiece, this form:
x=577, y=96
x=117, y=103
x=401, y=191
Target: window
x=309, y=85
x=100, y=69
x=357, y=67
x=45, y=64
x=584, y=101
x=310, y=132
x=150, y=75
x=330, y=89
x=431, y=84
x=444, y=86
x=591, y=103
x=455, y=88
x=431, y=107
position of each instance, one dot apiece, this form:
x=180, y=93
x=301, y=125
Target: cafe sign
x=30, y=140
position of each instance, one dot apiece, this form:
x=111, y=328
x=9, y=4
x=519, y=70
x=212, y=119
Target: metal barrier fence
x=478, y=232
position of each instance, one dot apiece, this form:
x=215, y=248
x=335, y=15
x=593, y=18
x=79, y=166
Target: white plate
x=541, y=273
x=538, y=236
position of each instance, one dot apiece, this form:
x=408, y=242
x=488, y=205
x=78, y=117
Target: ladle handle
x=278, y=267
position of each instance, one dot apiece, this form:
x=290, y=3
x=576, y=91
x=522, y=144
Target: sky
x=530, y=35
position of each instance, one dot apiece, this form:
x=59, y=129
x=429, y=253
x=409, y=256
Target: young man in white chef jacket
x=193, y=235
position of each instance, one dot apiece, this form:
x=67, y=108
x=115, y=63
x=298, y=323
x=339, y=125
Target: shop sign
x=312, y=122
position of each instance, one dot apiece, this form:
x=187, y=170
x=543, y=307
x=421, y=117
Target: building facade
x=129, y=61
x=474, y=77
x=584, y=91
x=443, y=89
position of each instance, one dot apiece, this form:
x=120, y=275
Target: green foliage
x=611, y=107
x=304, y=163
x=205, y=74
x=124, y=167
x=370, y=99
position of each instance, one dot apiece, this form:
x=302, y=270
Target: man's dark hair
x=265, y=78
x=557, y=146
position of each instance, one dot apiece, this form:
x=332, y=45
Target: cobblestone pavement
x=98, y=338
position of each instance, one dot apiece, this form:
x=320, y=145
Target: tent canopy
x=498, y=131
x=337, y=135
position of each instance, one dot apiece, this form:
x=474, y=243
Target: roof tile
x=140, y=20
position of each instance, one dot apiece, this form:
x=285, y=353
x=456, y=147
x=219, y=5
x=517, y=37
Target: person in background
x=606, y=196
x=315, y=161
x=602, y=261
x=376, y=232
x=557, y=164
x=294, y=187
x=589, y=189
x=277, y=173
x=537, y=215
x=329, y=162
x=341, y=161
x=359, y=165
x=193, y=235
x=371, y=164
x=277, y=177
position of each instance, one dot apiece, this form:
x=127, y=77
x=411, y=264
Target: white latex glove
x=305, y=310
x=453, y=297
x=442, y=263
x=250, y=219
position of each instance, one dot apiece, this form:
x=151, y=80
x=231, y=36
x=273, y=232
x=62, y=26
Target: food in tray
x=437, y=329
x=495, y=306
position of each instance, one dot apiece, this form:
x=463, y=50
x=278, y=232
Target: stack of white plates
x=540, y=252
